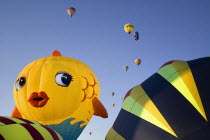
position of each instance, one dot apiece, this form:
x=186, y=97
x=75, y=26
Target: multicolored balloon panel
x=23, y=129
x=172, y=104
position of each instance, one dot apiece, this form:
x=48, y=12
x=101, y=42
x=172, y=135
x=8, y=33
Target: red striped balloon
x=22, y=129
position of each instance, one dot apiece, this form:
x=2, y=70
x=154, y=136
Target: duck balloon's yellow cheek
x=21, y=102
x=65, y=100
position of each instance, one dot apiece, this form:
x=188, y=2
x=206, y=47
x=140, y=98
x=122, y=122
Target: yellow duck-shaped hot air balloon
x=58, y=90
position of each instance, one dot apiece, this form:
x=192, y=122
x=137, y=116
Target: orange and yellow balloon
x=138, y=61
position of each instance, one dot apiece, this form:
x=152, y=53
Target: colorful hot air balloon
x=113, y=105
x=172, y=104
x=36, y=94
x=136, y=35
x=137, y=61
x=128, y=28
x=71, y=11
x=126, y=68
x=120, y=98
x=24, y=129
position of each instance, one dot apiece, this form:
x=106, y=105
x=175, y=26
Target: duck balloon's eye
x=20, y=83
x=63, y=79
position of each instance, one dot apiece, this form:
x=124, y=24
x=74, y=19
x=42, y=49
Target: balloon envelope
x=126, y=68
x=128, y=28
x=137, y=61
x=71, y=11
x=67, y=114
x=172, y=104
x=24, y=129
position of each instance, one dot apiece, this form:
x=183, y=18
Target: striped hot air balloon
x=172, y=104
x=24, y=129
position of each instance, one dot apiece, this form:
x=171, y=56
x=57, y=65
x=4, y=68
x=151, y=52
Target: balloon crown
x=55, y=53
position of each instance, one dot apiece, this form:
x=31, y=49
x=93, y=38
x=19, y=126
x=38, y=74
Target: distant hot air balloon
x=128, y=28
x=137, y=61
x=90, y=133
x=121, y=98
x=113, y=93
x=71, y=11
x=126, y=68
x=136, y=35
x=113, y=105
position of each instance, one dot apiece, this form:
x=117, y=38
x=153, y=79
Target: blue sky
x=169, y=30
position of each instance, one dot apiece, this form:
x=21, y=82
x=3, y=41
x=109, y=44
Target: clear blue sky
x=169, y=30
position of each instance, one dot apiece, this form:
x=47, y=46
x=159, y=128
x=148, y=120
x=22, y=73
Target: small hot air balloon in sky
x=121, y=98
x=137, y=61
x=71, y=11
x=113, y=93
x=136, y=35
x=90, y=133
x=128, y=28
x=113, y=105
x=126, y=68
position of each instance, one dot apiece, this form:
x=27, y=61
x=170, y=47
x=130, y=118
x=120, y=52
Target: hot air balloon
x=24, y=129
x=71, y=11
x=126, y=68
x=67, y=114
x=121, y=98
x=137, y=61
x=113, y=93
x=136, y=35
x=113, y=105
x=172, y=104
x=128, y=28
x=90, y=133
